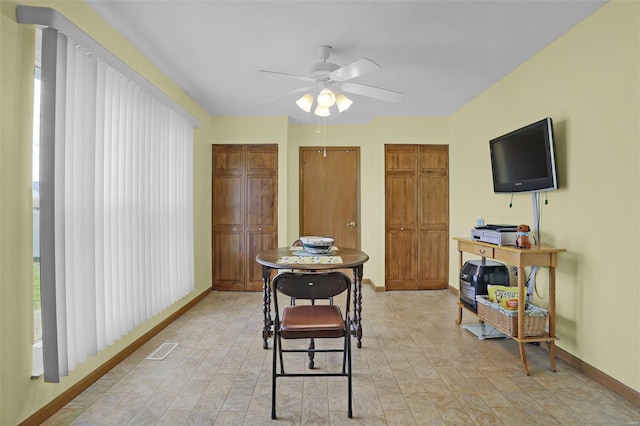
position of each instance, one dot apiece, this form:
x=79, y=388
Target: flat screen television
x=524, y=160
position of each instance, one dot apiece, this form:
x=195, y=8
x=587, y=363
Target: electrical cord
x=536, y=240
x=538, y=224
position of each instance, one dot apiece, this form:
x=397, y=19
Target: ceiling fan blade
x=291, y=92
x=355, y=69
x=371, y=91
x=297, y=77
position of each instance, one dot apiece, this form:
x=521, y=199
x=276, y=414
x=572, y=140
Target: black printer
x=475, y=275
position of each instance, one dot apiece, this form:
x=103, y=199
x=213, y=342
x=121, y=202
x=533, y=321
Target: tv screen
x=524, y=160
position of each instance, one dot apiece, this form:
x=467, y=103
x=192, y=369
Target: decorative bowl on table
x=317, y=245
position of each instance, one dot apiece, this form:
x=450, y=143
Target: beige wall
x=19, y=395
x=588, y=82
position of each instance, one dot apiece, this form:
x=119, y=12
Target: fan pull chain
x=324, y=121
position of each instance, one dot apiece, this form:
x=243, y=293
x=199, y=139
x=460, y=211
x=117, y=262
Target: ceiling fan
x=329, y=80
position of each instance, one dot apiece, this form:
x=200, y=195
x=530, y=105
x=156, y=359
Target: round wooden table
x=286, y=258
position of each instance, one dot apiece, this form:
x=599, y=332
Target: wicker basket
x=535, y=317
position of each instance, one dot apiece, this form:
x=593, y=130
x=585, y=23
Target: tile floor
x=416, y=366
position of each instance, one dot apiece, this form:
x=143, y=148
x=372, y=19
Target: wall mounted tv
x=524, y=160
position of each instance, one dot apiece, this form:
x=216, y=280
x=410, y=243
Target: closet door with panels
x=244, y=210
x=416, y=217
x=433, y=217
x=401, y=197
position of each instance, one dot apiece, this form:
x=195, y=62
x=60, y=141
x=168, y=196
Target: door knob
x=351, y=224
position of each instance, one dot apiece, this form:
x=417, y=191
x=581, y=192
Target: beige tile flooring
x=416, y=366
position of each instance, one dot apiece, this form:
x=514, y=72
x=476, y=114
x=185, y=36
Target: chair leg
x=344, y=356
x=280, y=355
x=273, y=377
x=312, y=346
x=350, y=387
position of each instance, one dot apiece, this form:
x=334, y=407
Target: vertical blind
x=116, y=205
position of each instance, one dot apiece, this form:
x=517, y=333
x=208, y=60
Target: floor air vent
x=162, y=352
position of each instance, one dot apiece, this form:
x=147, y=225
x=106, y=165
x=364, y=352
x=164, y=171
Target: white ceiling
x=440, y=54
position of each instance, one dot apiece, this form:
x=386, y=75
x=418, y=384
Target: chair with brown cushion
x=311, y=321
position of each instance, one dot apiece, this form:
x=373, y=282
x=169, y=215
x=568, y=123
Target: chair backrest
x=312, y=285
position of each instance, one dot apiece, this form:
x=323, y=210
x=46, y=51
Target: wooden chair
x=311, y=321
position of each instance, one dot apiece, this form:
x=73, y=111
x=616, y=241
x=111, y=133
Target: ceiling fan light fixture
x=322, y=111
x=305, y=102
x=326, y=98
x=319, y=97
x=343, y=103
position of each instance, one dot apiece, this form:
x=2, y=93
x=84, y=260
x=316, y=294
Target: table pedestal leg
x=312, y=346
x=266, y=305
x=357, y=304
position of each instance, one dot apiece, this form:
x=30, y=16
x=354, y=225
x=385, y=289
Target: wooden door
x=401, y=197
x=227, y=220
x=433, y=214
x=244, y=210
x=330, y=194
x=262, y=207
x=416, y=217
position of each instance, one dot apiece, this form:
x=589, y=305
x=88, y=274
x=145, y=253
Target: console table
x=534, y=256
